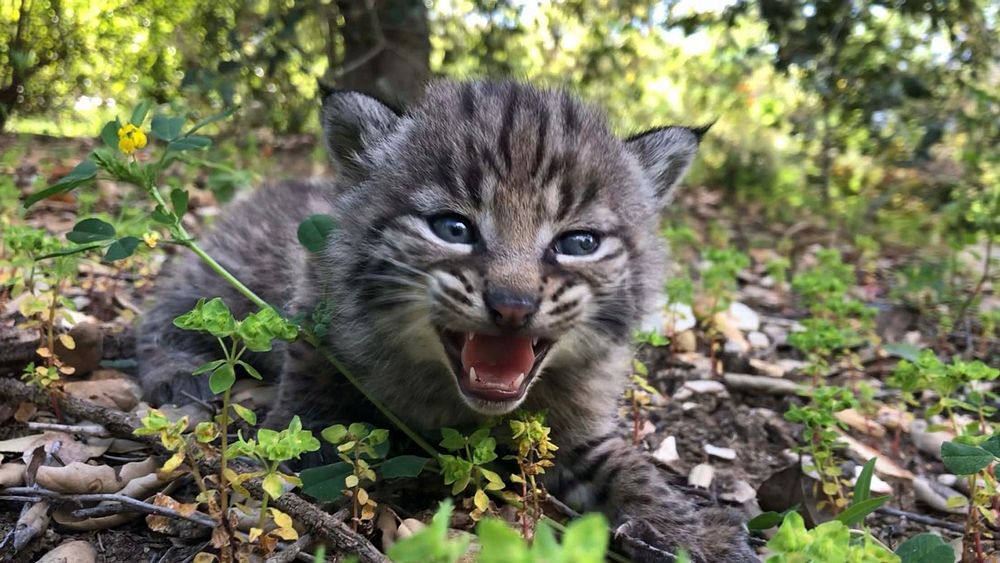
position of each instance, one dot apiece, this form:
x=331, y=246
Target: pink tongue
x=498, y=359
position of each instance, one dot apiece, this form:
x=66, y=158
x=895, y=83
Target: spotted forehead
x=515, y=150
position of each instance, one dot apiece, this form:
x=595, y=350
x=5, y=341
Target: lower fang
x=471, y=336
x=534, y=342
x=518, y=382
x=472, y=375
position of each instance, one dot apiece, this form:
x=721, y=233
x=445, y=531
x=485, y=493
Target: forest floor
x=716, y=422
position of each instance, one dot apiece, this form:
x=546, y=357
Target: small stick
x=95, y=430
x=921, y=518
x=126, y=503
x=289, y=554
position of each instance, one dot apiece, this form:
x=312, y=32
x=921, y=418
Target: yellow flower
x=130, y=138
x=151, y=239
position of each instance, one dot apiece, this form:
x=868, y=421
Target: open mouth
x=495, y=368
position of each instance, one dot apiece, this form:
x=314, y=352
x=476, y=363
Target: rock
x=776, y=333
x=719, y=452
x=701, y=475
x=877, y=485
x=678, y=317
x=699, y=387
x=926, y=441
x=745, y=318
x=88, y=348
x=741, y=492
x=667, y=452
x=758, y=340
x=685, y=341
x=71, y=552
x=790, y=365
x=736, y=346
x=195, y=412
x=940, y=497
x=767, y=368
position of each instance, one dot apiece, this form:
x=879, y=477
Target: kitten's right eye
x=453, y=228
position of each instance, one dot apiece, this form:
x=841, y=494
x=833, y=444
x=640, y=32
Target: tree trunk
x=386, y=49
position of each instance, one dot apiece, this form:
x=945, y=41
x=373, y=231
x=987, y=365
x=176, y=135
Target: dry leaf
x=69, y=449
x=112, y=393
x=25, y=411
x=71, y=552
x=11, y=474
x=861, y=423
x=79, y=477
x=67, y=341
x=883, y=465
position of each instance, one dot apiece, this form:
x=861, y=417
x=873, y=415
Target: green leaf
x=109, y=133
x=432, y=543
x=81, y=174
x=161, y=215
x=91, y=230
x=791, y=535
x=858, y=510
x=403, y=466
x=925, y=548
x=500, y=543
x=992, y=445
x=903, y=350
x=325, y=483
x=544, y=546
x=963, y=459
x=212, y=316
x=251, y=371
x=272, y=485
x=189, y=143
x=586, y=539
x=765, y=520
x=453, y=440
x=166, y=128
x=334, y=434
x=246, y=414
x=121, y=249
x=139, y=113
x=862, y=487
x=210, y=366
x=179, y=199
x=222, y=379
x=211, y=119
x=314, y=230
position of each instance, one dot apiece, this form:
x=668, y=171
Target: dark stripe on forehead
x=567, y=197
x=543, y=127
x=445, y=173
x=507, y=126
x=468, y=101
x=570, y=117
x=589, y=194
x=472, y=179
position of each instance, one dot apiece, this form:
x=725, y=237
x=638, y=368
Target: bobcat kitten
x=495, y=247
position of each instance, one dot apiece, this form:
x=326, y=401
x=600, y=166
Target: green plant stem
x=262, y=518
x=223, y=486
x=410, y=433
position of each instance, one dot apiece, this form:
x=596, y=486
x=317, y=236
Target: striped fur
x=524, y=165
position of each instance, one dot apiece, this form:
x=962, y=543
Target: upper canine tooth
x=471, y=335
x=534, y=342
x=472, y=375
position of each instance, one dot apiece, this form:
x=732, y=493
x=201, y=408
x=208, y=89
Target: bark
x=386, y=49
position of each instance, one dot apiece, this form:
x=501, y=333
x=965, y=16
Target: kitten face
x=513, y=230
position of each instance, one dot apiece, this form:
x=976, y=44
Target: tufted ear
x=665, y=154
x=352, y=123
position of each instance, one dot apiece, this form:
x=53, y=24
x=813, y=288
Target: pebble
x=928, y=442
x=720, y=452
x=746, y=318
x=877, y=485
x=936, y=495
x=758, y=340
x=701, y=475
x=685, y=341
x=699, y=387
x=776, y=333
x=667, y=452
x=741, y=492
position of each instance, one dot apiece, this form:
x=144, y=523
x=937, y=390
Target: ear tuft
x=665, y=154
x=352, y=123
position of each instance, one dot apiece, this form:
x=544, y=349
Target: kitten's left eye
x=453, y=228
x=577, y=243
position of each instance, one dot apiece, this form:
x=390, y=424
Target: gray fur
x=524, y=165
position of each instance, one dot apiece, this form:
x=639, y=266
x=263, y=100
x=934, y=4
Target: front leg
x=611, y=475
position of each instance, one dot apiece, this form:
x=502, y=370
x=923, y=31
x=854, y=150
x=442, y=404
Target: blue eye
x=577, y=243
x=453, y=228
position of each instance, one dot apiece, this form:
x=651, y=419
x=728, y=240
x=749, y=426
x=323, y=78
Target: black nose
x=510, y=310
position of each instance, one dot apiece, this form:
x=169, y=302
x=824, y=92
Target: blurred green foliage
x=882, y=115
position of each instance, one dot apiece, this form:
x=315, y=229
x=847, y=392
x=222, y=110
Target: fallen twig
x=922, y=518
x=95, y=430
x=125, y=503
x=761, y=384
x=289, y=554
x=116, y=422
